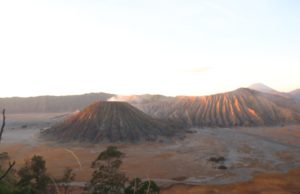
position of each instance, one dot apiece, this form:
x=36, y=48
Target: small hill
x=110, y=122
x=242, y=107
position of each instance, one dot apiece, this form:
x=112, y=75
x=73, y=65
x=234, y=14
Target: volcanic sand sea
x=265, y=183
x=248, y=151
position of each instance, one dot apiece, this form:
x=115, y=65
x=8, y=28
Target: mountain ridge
x=50, y=104
x=242, y=107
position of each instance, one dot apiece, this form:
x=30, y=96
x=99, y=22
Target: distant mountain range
x=254, y=106
x=51, y=104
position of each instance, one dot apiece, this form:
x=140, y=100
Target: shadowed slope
x=243, y=107
x=110, y=121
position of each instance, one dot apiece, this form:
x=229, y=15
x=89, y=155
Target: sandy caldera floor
x=248, y=151
x=265, y=183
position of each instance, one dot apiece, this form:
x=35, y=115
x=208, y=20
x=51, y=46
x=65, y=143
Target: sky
x=170, y=47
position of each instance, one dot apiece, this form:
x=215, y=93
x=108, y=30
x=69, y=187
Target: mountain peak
x=263, y=88
x=295, y=94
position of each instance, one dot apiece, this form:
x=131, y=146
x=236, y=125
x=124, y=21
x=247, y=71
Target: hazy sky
x=171, y=47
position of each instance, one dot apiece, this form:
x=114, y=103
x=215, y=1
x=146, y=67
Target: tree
x=3, y=124
x=137, y=186
x=7, y=180
x=11, y=164
x=68, y=177
x=8, y=185
x=107, y=178
x=33, y=176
